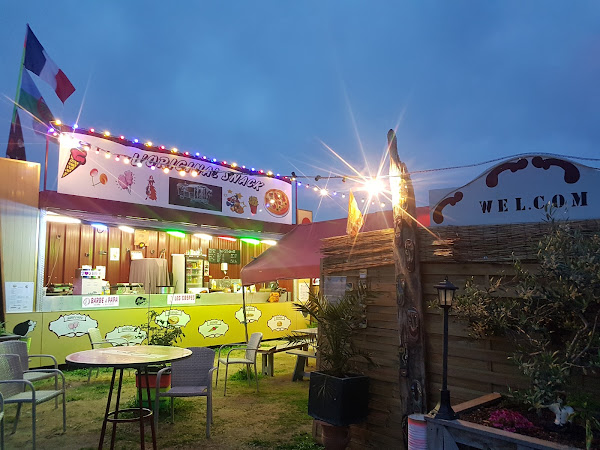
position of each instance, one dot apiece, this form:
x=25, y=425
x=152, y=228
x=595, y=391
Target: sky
x=282, y=85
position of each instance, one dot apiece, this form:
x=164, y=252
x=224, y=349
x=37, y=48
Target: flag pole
x=18, y=94
x=46, y=161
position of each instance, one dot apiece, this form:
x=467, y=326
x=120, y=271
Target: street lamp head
x=445, y=293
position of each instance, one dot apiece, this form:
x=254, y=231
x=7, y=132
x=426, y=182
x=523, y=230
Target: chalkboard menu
x=218, y=255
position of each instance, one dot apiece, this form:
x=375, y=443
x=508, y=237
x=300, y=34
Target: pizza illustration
x=277, y=203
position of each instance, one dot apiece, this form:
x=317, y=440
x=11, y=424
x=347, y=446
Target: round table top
x=139, y=355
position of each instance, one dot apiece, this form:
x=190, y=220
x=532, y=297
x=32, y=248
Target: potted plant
x=338, y=396
x=159, y=331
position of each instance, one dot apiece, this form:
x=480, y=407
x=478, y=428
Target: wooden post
x=409, y=293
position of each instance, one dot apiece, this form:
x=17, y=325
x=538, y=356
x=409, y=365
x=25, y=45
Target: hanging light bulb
x=166, y=170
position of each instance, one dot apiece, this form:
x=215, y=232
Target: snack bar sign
x=521, y=190
x=104, y=301
x=95, y=167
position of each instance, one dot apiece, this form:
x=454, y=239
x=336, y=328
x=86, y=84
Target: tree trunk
x=409, y=293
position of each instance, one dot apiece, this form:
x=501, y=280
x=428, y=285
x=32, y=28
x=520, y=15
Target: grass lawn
x=274, y=418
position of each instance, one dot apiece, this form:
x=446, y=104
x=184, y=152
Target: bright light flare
x=374, y=186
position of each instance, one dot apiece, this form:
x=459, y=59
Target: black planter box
x=338, y=401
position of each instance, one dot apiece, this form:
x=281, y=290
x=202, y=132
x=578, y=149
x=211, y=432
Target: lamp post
x=445, y=296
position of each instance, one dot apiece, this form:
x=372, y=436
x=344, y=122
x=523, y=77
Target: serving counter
x=59, y=326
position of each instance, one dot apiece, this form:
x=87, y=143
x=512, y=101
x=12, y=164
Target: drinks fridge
x=188, y=273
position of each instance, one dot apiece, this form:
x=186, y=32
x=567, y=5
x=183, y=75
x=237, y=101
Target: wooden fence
x=475, y=367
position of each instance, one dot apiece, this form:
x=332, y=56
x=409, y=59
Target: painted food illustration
x=173, y=317
x=126, y=335
x=213, y=328
x=72, y=325
x=277, y=202
x=252, y=314
x=279, y=323
x=253, y=202
x=77, y=158
x=126, y=180
x=102, y=180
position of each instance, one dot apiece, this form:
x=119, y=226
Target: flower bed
x=519, y=420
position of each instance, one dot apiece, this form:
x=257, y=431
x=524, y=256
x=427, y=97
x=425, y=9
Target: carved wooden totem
x=408, y=285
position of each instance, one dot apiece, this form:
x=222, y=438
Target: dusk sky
x=272, y=84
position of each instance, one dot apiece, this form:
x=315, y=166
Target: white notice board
x=19, y=296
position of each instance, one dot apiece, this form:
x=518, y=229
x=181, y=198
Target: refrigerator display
x=188, y=273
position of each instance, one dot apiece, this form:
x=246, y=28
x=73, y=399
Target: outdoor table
x=119, y=358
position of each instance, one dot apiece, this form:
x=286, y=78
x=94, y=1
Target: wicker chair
x=96, y=341
x=13, y=388
x=249, y=358
x=190, y=377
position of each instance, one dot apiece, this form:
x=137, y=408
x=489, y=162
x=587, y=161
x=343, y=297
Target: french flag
x=38, y=62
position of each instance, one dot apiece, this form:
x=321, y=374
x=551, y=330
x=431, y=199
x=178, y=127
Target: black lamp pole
x=445, y=296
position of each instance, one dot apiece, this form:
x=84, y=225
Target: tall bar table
x=119, y=358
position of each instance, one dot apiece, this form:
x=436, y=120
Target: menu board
x=219, y=255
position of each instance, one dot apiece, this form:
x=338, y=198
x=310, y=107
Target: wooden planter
x=448, y=433
x=338, y=401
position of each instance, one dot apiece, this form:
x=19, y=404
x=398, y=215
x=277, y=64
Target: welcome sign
x=518, y=191
x=95, y=167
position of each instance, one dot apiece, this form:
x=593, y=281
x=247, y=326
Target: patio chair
x=251, y=349
x=13, y=388
x=96, y=341
x=20, y=348
x=190, y=377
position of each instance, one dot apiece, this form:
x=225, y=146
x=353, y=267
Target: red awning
x=298, y=254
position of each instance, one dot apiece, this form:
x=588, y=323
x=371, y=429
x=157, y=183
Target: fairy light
x=194, y=173
x=117, y=158
x=323, y=192
x=148, y=144
x=139, y=164
x=182, y=173
x=107, y=155
x=107, y=133
x=126, y=160
x=58, y=122
x=234, y=165
x=121, y=137
x=153, y=167
x=166, y=170
x=315, y=188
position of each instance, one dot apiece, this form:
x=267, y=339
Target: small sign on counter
x=181, y=299
x=100, y=301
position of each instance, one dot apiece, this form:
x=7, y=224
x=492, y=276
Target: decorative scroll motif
x=492, y=179
x=400, y=286
x=571, y=171
x=409, y=251
x=403, y=358
x=412, y=319
x=438, y=215
x=416, y=391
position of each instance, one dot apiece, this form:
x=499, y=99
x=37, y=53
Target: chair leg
x=156, y=405
x=89, y=374
x=64, y=411
x=217, y=377
x=256, y=375
x=248, y=373
x=17, y=418
x=56, y=389
x=208, y=416
x=226, y=369
x=33, y=424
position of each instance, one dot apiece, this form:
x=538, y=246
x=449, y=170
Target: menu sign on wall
x=97, y=167
x=219, y=255
x=520, y=190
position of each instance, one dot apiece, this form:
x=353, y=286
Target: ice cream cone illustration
x=76, y=159
x=253, y=202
